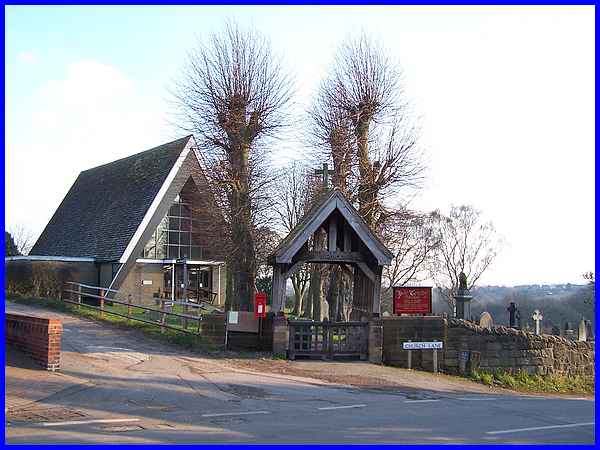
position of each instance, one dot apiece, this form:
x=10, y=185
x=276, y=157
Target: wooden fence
x=173, y=315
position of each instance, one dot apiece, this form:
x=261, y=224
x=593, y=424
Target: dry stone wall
x=510, y=350
x=468, y=346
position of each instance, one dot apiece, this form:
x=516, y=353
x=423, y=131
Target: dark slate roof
x=104, y=207
x=319, y=204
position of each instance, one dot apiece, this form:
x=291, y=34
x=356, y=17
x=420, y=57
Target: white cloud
x=94, y=115
x=27, y=58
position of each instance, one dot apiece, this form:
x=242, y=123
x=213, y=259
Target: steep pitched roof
x=320, y=210
x=104, y=207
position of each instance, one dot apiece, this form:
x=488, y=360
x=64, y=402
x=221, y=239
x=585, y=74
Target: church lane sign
x=422, y=345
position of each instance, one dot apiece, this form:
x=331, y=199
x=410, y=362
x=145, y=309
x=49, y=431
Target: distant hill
x=558, y=303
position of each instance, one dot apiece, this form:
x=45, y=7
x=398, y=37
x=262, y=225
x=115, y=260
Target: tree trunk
x=333, y=293
x=298, y=294
x=242, y=256
x=307, y=304
x=315, y=290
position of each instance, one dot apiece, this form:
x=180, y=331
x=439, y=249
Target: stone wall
x=399, y=329
x=212, y=328
x=468, y=346
x=510, y=350
x=39, y=337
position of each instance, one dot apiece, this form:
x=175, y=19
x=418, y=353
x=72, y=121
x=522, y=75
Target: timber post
x=102, y=303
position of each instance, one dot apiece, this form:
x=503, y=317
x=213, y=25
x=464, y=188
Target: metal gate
x=328, y=339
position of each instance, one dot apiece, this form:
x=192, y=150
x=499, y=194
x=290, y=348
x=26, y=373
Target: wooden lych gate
x=328, y=339
x=339, y=236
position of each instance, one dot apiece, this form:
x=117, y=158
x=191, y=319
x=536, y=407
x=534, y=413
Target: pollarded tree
x=365, y=89
x=361, y=123
x=233, y=94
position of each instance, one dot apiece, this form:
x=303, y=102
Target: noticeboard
x=412, y=300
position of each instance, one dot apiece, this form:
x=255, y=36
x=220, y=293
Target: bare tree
x=365, y=86
x=293, y=196
x=233, y=95
x=361, y=122
x=23, y=239
x=466, y=244
x=591, y=281
x=412, y=239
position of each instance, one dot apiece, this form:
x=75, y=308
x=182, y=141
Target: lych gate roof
x=318, y=213
x=106, y=204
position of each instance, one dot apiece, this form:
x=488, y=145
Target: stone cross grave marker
x=537, y=318
x=485, y=320
x=582, y=335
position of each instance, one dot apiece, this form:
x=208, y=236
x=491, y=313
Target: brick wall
x=37, y=336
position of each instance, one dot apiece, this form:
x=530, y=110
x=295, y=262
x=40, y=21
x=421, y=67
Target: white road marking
x=548, y=427
x=475, y=399
x=242, y=413
x=420, y=401
x=327, y=408
x=84, y=422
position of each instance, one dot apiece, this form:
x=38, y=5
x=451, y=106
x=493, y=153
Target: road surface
x=118, y=386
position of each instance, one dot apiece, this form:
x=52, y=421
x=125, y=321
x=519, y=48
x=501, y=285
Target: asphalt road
x=134, y=390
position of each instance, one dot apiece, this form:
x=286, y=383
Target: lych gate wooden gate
x=328, y=339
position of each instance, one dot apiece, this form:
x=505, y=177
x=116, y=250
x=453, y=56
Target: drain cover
x=39, y=415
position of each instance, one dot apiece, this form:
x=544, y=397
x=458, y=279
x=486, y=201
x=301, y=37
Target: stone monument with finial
x=463, y=295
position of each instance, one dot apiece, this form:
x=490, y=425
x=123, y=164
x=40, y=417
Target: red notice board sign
x=260, y=305
x=412, y=300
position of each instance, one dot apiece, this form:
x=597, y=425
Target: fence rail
x=168, y=318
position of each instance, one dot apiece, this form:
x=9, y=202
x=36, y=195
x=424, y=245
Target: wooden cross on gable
x=325, y=173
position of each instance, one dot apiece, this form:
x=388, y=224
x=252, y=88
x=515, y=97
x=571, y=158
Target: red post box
x=260, y=305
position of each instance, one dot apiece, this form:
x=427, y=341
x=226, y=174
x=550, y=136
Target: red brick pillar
x=39, y=337
x=53, y=346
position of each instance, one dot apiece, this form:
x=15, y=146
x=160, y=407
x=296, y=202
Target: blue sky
x=507, y=93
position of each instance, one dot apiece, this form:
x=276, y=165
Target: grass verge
x=524, y=382
x=185, y=340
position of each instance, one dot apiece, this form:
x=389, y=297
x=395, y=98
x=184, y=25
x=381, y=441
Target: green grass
x=522, y=381
x=180, y=338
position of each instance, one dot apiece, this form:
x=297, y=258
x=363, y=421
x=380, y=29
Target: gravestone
x=518, y=316
x=582, y=332
x=485, y=320
x=555, y=330
x=568, y=332
x=512, y=309
x=590, y=330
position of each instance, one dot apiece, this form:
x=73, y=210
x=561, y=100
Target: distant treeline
x=558, y=303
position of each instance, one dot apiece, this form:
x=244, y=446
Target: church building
x=146, y=225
